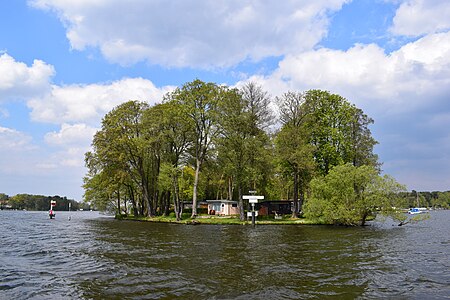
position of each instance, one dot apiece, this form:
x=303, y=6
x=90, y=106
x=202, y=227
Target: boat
x=415, y=211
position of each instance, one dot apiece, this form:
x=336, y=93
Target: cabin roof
x=221, y=201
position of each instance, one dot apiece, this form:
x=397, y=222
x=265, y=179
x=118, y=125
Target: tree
x=199, y=102
x=258, y=107
x=294, y=152
x=175, y=137
x=122, y=153
x=241, y=141
x=339, y=131
x=349, y=194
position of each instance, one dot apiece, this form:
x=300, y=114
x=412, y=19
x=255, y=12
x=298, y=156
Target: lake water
x=95, y=257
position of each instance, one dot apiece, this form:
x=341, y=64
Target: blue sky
x=65, y=63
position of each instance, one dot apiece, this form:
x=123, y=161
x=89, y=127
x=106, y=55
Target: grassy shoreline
x=215, y=220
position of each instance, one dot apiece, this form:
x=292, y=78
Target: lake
x=92, y=256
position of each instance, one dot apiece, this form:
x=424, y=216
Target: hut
x=222, y=207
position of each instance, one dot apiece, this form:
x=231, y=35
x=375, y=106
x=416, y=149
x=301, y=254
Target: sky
x=65, y=63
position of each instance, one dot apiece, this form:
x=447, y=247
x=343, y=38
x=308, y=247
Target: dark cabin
x=280, y=207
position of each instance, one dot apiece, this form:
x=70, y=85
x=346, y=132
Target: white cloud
x=18, y=81
x=77, y=134
x=406, y=92
x=418, y=17
x=195, y=33
x=12, y=140
x=79, y=109
x=403, y=80
x=89, y=103
x=73, y=141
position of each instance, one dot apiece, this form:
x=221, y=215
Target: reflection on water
x=95, y=257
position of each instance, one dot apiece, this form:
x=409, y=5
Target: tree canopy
x=347, y=195
x=209, y=141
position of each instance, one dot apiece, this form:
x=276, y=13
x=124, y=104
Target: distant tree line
x=433, y=199
x=209, y=141
x=38, y=202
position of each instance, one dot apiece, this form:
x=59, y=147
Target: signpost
x=253, y=199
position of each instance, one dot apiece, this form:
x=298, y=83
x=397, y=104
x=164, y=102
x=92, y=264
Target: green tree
x=175, y=137
x=241, y=141
x=199, y=102
x=338, y=131
x=294, y=152
x=349, y=194
x=121, y=154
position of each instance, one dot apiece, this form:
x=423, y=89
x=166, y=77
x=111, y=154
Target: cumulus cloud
x=193, y=33
x=418, y=17
x=13, y=140
x=405, y=91
x=370, y=77
x=19, y=81
x=77, y=134
x=73, y=141
x=89, y=103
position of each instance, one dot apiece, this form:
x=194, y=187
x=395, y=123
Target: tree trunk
x=301, y=201
x=364, y=218
x=194, y=196
x=241, y=203
x=118, y=203
x=295, y=204
x=176, y=199
x=125, y=206
x=133, y=200
x=146, y=198
x=230, y=189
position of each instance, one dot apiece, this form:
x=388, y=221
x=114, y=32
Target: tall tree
x=199, y=102
x=339, y=131
x=174, y=132
x=242, y=116
x=258, y=106
x=121, y=145
x=294, y=152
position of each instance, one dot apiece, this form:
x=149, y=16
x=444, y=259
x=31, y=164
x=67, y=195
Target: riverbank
x=227, y=220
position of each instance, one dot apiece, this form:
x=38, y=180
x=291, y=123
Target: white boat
x=415, y=211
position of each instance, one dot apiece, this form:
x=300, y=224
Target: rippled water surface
x=95, y=257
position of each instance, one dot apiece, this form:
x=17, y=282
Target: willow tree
x=347, y=195
x=199, y=100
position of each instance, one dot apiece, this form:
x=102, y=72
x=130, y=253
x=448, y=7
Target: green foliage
x=41, y=203
x=339, y=131
x=211, y=141
x=349, y=194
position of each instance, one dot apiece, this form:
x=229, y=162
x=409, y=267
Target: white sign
x=249, y=214
x=253, y=199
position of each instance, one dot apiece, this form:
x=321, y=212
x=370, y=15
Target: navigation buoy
x=51, y=213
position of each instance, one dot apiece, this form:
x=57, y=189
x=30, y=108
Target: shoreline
x=204, y=220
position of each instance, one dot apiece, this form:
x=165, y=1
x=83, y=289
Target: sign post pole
x=253, y=214
x=253, y=199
